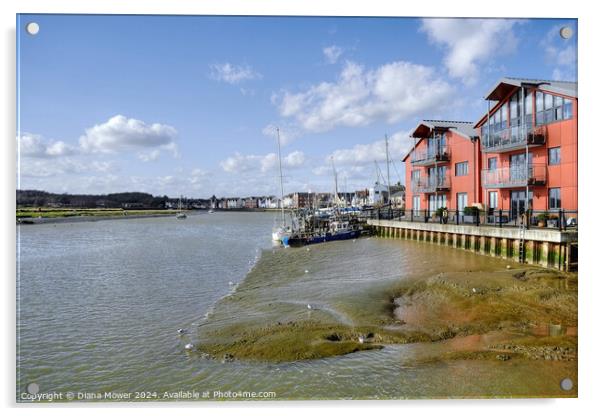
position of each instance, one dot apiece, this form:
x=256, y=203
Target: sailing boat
x=180, y=215
x=282, y=233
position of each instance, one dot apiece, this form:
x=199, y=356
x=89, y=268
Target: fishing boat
x=180, y=215
x=337, y=230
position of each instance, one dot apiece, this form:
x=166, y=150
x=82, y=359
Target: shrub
x=471, y=211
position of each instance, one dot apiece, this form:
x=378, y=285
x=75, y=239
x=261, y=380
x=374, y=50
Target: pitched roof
x=425, y=127
x=505, y=85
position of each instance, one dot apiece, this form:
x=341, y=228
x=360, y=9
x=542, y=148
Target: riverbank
x=490, y=312
x=30, y=216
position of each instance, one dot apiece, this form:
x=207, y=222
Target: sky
x=189, y=105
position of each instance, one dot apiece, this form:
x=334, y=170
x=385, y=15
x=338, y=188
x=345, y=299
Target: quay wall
x=544, y=247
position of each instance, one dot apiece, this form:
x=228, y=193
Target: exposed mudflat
x=296, y=305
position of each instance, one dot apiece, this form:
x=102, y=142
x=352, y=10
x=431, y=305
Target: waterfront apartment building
x=529, y=146
x=522, y=154
x=442, y=166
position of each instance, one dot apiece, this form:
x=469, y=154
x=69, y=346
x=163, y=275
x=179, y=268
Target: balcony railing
x=515, y=176
x=431, y=184
x=513, y=138
x=431, y=156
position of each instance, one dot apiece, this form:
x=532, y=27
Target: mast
x=281, y=184
x=336, y=184
x=388, y=175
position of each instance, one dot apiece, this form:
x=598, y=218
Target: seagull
x=361, y=339
x=230, y=283
x=189, y=347
x=306, y=271
x=181, y=331
x=474, y=290
x=307, y=249
x=309, y=306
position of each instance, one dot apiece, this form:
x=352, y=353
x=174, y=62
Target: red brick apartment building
x=442, y=167
x=521, y=154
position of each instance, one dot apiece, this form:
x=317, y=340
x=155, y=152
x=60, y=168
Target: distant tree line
x=33, y=198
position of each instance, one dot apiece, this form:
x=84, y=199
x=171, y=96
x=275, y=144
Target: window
x=558, y=108
x=416, y=203
x=529, y=103
x=529, y=110
x=493, y=200
x=462, y=169
x=515, y=110
x=461, y=200
x=548, y=102
x=415, y=175
x=550, y=108
x=539, y=110
x=554, y=156
x=492, y=163
x=554, y=198
x=567, y=109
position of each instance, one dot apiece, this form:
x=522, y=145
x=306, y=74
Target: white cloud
x=120, y=133
x=332, y=53
x=261, y=163
x=561, y=54
x=392, y=92
x=233, y=74
x=470, y=43
x=44, y=168
x=35, y=146
x=288, y=133
x=399, y=144
x=149, y=156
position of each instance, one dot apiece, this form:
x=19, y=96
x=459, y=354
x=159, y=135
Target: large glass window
x=462, y=169
x=514, y=113
x=415, y=175
x=554, y=156
x=492, y=163
x=558, y=108
x=493, y=200
x=461, y=200
x=568, y=109
x=554, y=198
x=548, y=102
x=529, y=103
x=416, y=203
x=539, y=110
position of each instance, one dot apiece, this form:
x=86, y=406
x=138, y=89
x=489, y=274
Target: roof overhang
x=505, y=86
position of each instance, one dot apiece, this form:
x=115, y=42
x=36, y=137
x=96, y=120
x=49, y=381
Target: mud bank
x=297, y=305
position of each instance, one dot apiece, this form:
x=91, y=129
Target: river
x=100, y=303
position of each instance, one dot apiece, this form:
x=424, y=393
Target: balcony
x=515, y=176
x=513, y=138
x=431, y=185
x=430, y=156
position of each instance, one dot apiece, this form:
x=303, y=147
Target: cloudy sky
x=190, y=105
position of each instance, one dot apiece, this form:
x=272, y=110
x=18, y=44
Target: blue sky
x=188, y=104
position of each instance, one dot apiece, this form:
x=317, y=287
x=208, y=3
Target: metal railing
x=431, y=184
x=559, y=219
x=430, y=155
x=514, y=176
x=512, y=138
